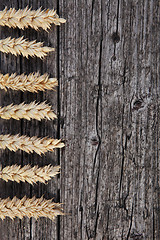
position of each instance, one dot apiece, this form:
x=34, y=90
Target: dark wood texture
x=107, y=63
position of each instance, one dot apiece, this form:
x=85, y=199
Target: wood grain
x=43, y=228
x=110, y=109
x=107, y=63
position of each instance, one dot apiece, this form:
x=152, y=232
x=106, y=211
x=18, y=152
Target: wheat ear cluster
x=24, y=18
x=33, y=82
x=28, y=174
x=21, y=46
x=29, y=207
x=30, y=111
x=29, y=144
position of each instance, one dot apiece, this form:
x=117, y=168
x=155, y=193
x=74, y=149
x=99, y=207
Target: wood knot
x=138, y=104
x=136, y=236
x=114, y=58
x=94, y=141
x=115, y=37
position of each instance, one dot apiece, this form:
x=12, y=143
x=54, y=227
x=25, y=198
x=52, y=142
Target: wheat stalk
x=29, y=144
x=21, y=46
x=30, y=111
x=33, y=82
x=24, y=18
x=28, y=174
x=29, y=207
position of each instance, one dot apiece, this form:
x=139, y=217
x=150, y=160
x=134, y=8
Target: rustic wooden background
x=108, y=103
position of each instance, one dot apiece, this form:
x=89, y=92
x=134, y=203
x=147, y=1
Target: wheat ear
x=33, y=82
x=24, y=18
x=30, y=111
x=21, y=46
x=29, y=144
x=28, y=174
x=29, y=207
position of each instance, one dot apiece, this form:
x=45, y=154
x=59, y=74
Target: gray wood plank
x=107, y=60
x=42, y=228
x=109, y=88
x=10, y=229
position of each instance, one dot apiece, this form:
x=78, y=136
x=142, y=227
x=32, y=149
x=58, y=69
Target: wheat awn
x=24, y=18
x=29, y=207
x=29, y=144
x=33, y=82
x=21, y=46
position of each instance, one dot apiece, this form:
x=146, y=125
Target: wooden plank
x=42, y=228
x=110, y=119
x=10, y=229
x=107, y=63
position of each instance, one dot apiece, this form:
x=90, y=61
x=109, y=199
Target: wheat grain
x=29, y=144
x=28, y=174
x=21, y=46
x=29, y=207
x=33, y=82
x=30, y=111
x=24, y=18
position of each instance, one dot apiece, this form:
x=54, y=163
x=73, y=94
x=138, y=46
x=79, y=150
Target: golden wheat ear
x=21, y=46
x=29, y=144
x=28, y=174
x=29, y=207
x=33, y=82
x=24, y=18
x=30, y=111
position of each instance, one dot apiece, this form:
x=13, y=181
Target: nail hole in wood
x=115, y=37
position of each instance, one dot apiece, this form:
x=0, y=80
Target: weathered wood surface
x=107, y=62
